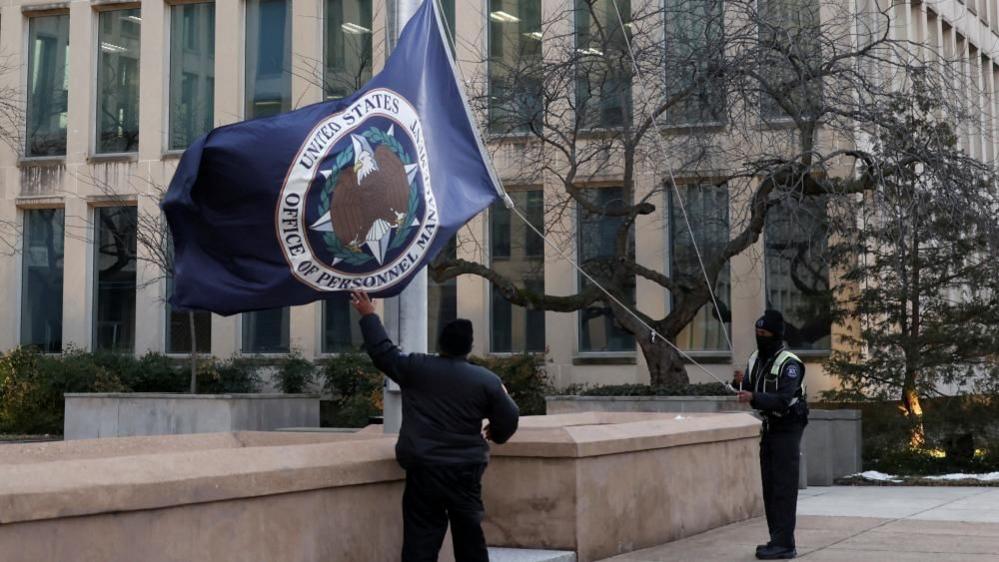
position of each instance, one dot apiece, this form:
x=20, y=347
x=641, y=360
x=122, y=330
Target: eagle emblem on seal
x=369, y=199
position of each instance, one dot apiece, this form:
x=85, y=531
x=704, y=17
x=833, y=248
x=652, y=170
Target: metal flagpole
x=406, y=314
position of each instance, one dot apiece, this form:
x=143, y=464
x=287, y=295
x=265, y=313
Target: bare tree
x=770, y=102
x=12, y=134
x=152, y=238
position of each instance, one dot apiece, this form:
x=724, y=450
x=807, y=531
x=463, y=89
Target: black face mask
x=767, y=345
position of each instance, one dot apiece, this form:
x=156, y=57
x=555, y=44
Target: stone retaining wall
x=597, y=484
x=96, y=415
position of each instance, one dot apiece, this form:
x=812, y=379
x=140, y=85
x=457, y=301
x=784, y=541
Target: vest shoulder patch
x=793, y=371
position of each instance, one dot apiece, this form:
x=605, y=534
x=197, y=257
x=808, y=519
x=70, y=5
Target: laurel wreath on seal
x=374, y=136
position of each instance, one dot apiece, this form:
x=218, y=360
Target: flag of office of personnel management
x=358, y=193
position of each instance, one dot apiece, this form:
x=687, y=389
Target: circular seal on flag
x=356, y=210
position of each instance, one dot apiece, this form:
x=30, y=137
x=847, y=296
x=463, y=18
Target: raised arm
x=386, y=356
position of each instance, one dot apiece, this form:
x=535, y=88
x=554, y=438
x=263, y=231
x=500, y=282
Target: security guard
x=776, y=389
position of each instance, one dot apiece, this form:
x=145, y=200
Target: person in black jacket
x=776, y=390
x=442, y=443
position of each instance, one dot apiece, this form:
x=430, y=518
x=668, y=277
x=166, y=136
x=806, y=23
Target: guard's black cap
x=773, y=322
x=456, y=338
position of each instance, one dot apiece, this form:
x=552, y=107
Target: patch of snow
x=876, y=476
x=987, y=477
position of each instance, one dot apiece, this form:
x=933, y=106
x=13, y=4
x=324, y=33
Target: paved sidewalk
x=854, y=524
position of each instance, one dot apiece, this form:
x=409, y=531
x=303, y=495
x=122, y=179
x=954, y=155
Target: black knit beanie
x=456, y=338
x=773, y=322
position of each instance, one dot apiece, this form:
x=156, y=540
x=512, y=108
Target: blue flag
x=359, y=193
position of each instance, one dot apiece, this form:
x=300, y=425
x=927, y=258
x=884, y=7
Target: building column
x=78, y=275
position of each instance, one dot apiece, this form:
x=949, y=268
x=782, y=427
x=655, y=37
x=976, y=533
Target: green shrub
x=698, y=389
x=355, y=386
x=155, y=372
x=961, y=435
x=32, y=385
x=31, y=398
x=295, y=373
x=524, y=377
x=236, y=375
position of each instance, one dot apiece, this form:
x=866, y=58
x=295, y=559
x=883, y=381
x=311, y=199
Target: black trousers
x=780, y=459
x=434, y=496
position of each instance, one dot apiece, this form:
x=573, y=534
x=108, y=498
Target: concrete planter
x=96, y=415
x=831, y=446
x=602, y=484
x=597, y=484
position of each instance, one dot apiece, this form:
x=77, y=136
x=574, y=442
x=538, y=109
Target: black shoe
x=760, y=547
x=776, y=552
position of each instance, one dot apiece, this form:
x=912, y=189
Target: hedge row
x=32, y=384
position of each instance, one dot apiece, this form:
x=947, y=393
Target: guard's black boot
x=760, y=547
x=776, y=552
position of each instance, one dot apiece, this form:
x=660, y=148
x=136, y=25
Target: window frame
x=96, y=11
x=94, y=273
x=243, y=53
x=630, y=117
x=24, y=84
x=487, y=26
x=322, y=351
x=20, y=265
x=808, y=353
x=241, y=339
x=324, y=37
x=779, y=119
x=629, y=356
x=706, y=355
x=167, y=123
x=681, y=124
x=488, y=286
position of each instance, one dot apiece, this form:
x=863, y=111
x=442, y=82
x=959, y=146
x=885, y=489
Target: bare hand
x=362, y=303
x=487, y=433
x=739, y=376
x=745, y=396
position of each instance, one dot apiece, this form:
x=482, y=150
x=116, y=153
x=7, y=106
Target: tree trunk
x=666, y=367
x=911, y=408
x=913, y=357
x=194, y=353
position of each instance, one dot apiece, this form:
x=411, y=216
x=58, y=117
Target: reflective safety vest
x=773, y=377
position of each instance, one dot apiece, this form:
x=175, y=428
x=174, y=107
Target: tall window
x=518, y=254
x=514, y=65
x=42, y=278
x=791, y=56
x=707, y=210
x=118, y=81
x=268, y=58
x=348, y=46
x=267, y=331
x=114, y=279
x=798, y=273
x=341, y=331
x=442, y=299
x=598, y=330
x=48, y=85
x=192, y=72
x=694, y=56
x=603, y=73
